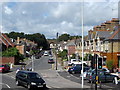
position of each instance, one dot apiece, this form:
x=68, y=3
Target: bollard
x=53, y=66
x=91, y=85
x=100, y=85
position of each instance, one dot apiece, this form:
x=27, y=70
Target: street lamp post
x=82, y=41
x=32, y=63
x=56, y=48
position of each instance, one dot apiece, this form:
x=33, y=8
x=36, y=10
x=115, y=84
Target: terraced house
x=103, y=40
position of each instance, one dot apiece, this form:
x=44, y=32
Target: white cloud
x=8, y=10
x=50, y=18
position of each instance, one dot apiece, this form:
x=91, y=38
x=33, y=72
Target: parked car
x=105, y=69
x=29, y=79
x=4, y=68
x=76, y=68
x=117, y=73
x=46, y=53
x=51, y=60
x=85, y=73
x=102, y=76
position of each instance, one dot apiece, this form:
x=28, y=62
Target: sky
x=51, y=17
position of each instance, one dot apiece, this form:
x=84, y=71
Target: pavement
x=54, y=80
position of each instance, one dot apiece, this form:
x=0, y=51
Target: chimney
x=18, y=40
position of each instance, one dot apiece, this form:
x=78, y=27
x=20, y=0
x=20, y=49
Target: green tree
x=10, y=52
x=63, y=54
x=13, y=52
x=73, y=56
x=64, y=37
x=14, y=35
x=109, y=64
x=36, y=37
x=75, y=37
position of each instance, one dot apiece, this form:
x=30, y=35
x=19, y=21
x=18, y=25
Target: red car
x=4, y=68
x=51, y=60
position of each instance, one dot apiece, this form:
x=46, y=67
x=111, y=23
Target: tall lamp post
x=32, y=62
x=56, y=48
x=82, y=41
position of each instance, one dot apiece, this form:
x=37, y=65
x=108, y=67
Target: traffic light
x=99, y=63
x=92, y=62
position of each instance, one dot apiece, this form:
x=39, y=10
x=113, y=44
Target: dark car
x=102, y=76
x=29, y=79
x=77, y=69
x=4, y=68
x=51, y=60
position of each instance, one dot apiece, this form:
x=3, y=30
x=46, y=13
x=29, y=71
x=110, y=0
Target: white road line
x=5, y=84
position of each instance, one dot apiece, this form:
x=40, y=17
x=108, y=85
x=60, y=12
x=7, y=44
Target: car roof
x=27, y=71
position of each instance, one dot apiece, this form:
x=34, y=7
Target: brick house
x=112, y=47
x=70, y=46
x=5, y=43
x=104, y=40
x=24, y=45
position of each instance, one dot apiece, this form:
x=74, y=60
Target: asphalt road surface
x=8, y=79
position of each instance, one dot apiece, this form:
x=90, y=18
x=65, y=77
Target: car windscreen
x=50, y=59
x=34, y=75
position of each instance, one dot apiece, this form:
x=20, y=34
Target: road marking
x=5, y=84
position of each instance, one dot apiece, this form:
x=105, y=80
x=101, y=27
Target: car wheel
x=115, y=81
x=44, y=86
x=17, y=83
x=28, y=86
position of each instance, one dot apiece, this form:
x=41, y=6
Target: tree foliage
x=66, y=37
x=12, y=52
x=36, y=37
x=110, y=64
x=14, y=35
x=63, y=54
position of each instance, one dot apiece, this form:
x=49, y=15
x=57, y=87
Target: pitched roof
x=5, y=40
x=71, y=43
x=103, y=34
x=116, y=34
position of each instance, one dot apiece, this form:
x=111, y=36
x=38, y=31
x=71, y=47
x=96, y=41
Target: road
x=55, y=81
x=76, y=78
